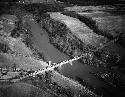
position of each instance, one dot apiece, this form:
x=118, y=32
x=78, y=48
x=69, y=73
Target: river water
x=41, y=40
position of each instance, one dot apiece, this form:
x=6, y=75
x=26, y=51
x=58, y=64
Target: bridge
x=54, y=65
x=51, y=67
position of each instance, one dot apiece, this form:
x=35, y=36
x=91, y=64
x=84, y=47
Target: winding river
x=41, y=41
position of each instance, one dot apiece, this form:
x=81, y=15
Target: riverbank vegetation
x=67, y=42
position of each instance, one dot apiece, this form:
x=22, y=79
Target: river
x=41, y=40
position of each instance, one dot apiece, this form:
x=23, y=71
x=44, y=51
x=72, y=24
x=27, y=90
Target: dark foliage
x=91, y=2
x=121, y=40
x=4, y=48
